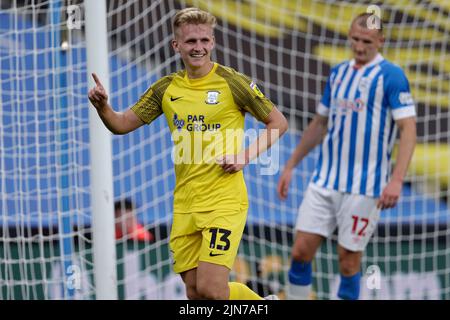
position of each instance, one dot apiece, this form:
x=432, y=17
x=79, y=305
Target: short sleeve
x=246, y=94
x=149, y=105
x=324, y=106
x=398, y=94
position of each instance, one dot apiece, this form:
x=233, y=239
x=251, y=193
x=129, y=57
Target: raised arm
x=407, y=143
x=116, y=122
x=312, y=136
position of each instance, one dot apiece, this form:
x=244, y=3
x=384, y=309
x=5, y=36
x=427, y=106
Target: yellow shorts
x=210, y=236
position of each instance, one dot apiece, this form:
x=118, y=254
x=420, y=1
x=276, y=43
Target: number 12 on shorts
x=359, y=224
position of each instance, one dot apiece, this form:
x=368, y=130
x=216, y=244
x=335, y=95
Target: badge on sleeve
x=405, y=98
x=256, y=90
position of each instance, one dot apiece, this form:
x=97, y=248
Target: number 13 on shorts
x=223, y=243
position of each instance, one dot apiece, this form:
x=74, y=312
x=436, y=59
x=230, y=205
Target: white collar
x=378, y=58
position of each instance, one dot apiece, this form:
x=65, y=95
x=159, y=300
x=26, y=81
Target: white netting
x=287, y=46
x=44, y=157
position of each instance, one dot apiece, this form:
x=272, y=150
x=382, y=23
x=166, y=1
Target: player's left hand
x=390, y=195
x=232, y=163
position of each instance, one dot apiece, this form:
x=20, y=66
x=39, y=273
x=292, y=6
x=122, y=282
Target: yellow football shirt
x=206, y=118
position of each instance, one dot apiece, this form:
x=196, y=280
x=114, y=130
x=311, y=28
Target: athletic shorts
x=211, y=236
x=355, y=216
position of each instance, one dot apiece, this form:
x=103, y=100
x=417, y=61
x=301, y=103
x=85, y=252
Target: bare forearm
x=276, y=125
x=391, y=193
x=275, y=128
x=119, y=122
x=265, y=140
x=406, y=147
x=111, y=119
x=312, y=136
x=116, y=122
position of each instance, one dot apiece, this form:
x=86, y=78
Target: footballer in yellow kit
x=204, y=106
x=210, y=205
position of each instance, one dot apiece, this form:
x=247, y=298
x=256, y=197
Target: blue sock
x=349, y=287
x=300, y=273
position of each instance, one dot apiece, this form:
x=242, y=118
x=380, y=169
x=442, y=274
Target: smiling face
x=194, y=43
x=365, y=43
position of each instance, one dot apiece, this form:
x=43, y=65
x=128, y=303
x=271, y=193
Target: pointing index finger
x=97, y=80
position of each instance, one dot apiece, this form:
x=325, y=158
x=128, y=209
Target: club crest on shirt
x=212, y=97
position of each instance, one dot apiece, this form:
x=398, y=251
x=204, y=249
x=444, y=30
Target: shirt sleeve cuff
x=323, y=110
x=404, y=112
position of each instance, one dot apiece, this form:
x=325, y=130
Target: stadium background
x=288, y=48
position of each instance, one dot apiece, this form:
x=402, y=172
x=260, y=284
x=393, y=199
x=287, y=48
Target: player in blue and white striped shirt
x=364, y=101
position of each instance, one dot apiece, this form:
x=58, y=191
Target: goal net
x=287, y=47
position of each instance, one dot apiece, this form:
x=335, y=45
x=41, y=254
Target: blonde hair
x=193, y=16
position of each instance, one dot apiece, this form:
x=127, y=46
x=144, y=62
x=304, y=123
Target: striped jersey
x=200, y=114
x=362, y=105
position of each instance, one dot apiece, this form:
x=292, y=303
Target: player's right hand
x=97, y=95
x=283, y=184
